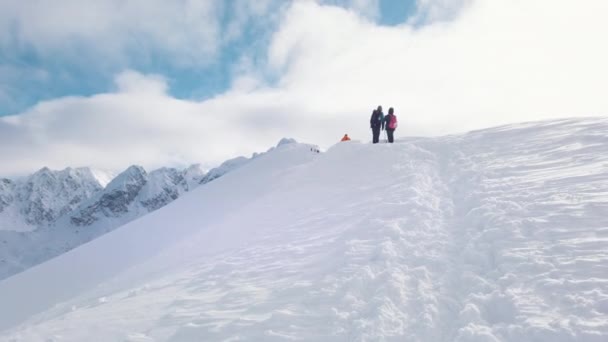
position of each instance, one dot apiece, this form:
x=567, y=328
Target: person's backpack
x=392, y=124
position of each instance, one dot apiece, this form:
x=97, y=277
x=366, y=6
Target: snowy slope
x=496, y=235
x=224, y=168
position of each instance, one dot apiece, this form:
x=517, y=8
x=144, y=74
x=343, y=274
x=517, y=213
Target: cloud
x=139, y=123
x=497, y=62
x=133, y=82
x=112, y=31
x=245, y=15
x=83, y=44
x=431, y=11
x=492, y=62
x=369, y=9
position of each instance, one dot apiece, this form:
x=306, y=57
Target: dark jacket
x=377, y=120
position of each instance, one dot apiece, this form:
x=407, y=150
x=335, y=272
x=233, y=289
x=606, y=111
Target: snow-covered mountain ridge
x=494, y=235
x=43, y=197
x=51, y=212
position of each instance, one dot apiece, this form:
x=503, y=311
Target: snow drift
x=495, y=235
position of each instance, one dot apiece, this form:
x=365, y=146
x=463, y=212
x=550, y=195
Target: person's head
x=391, y=111
x=380, y=109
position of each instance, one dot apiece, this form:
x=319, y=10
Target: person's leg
x=376, y=135
x=390, y=132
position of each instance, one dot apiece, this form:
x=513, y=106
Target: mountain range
x=51, y=212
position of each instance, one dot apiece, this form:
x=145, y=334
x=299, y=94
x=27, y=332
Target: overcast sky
x=111, y=83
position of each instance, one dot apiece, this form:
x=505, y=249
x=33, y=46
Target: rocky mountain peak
x=48, y=194
x=193, y=175
x=115, y=199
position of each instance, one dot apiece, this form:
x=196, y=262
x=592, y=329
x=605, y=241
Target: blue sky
x=36, y=76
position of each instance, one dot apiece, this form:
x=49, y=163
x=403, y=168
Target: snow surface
x=496, y=235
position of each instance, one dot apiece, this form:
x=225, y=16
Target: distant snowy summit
x=133, y=191
x=47, y=196
x=50, y=212
x=40, y=199
x=286, y=141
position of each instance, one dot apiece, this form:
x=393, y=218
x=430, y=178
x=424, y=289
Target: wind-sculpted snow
x=532, y=214
x=496, y=235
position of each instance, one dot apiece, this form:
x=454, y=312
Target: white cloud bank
x=498, y=61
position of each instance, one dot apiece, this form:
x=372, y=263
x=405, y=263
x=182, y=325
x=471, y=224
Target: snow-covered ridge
x=46, y=195
x=495, y=235
x=224, y=168
x=51, y=212
x=235, y=163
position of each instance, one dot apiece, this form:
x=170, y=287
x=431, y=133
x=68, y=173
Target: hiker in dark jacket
x=391, y=124
x=377, y=124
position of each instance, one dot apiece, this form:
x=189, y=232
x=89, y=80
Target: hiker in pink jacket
x=390, y=124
